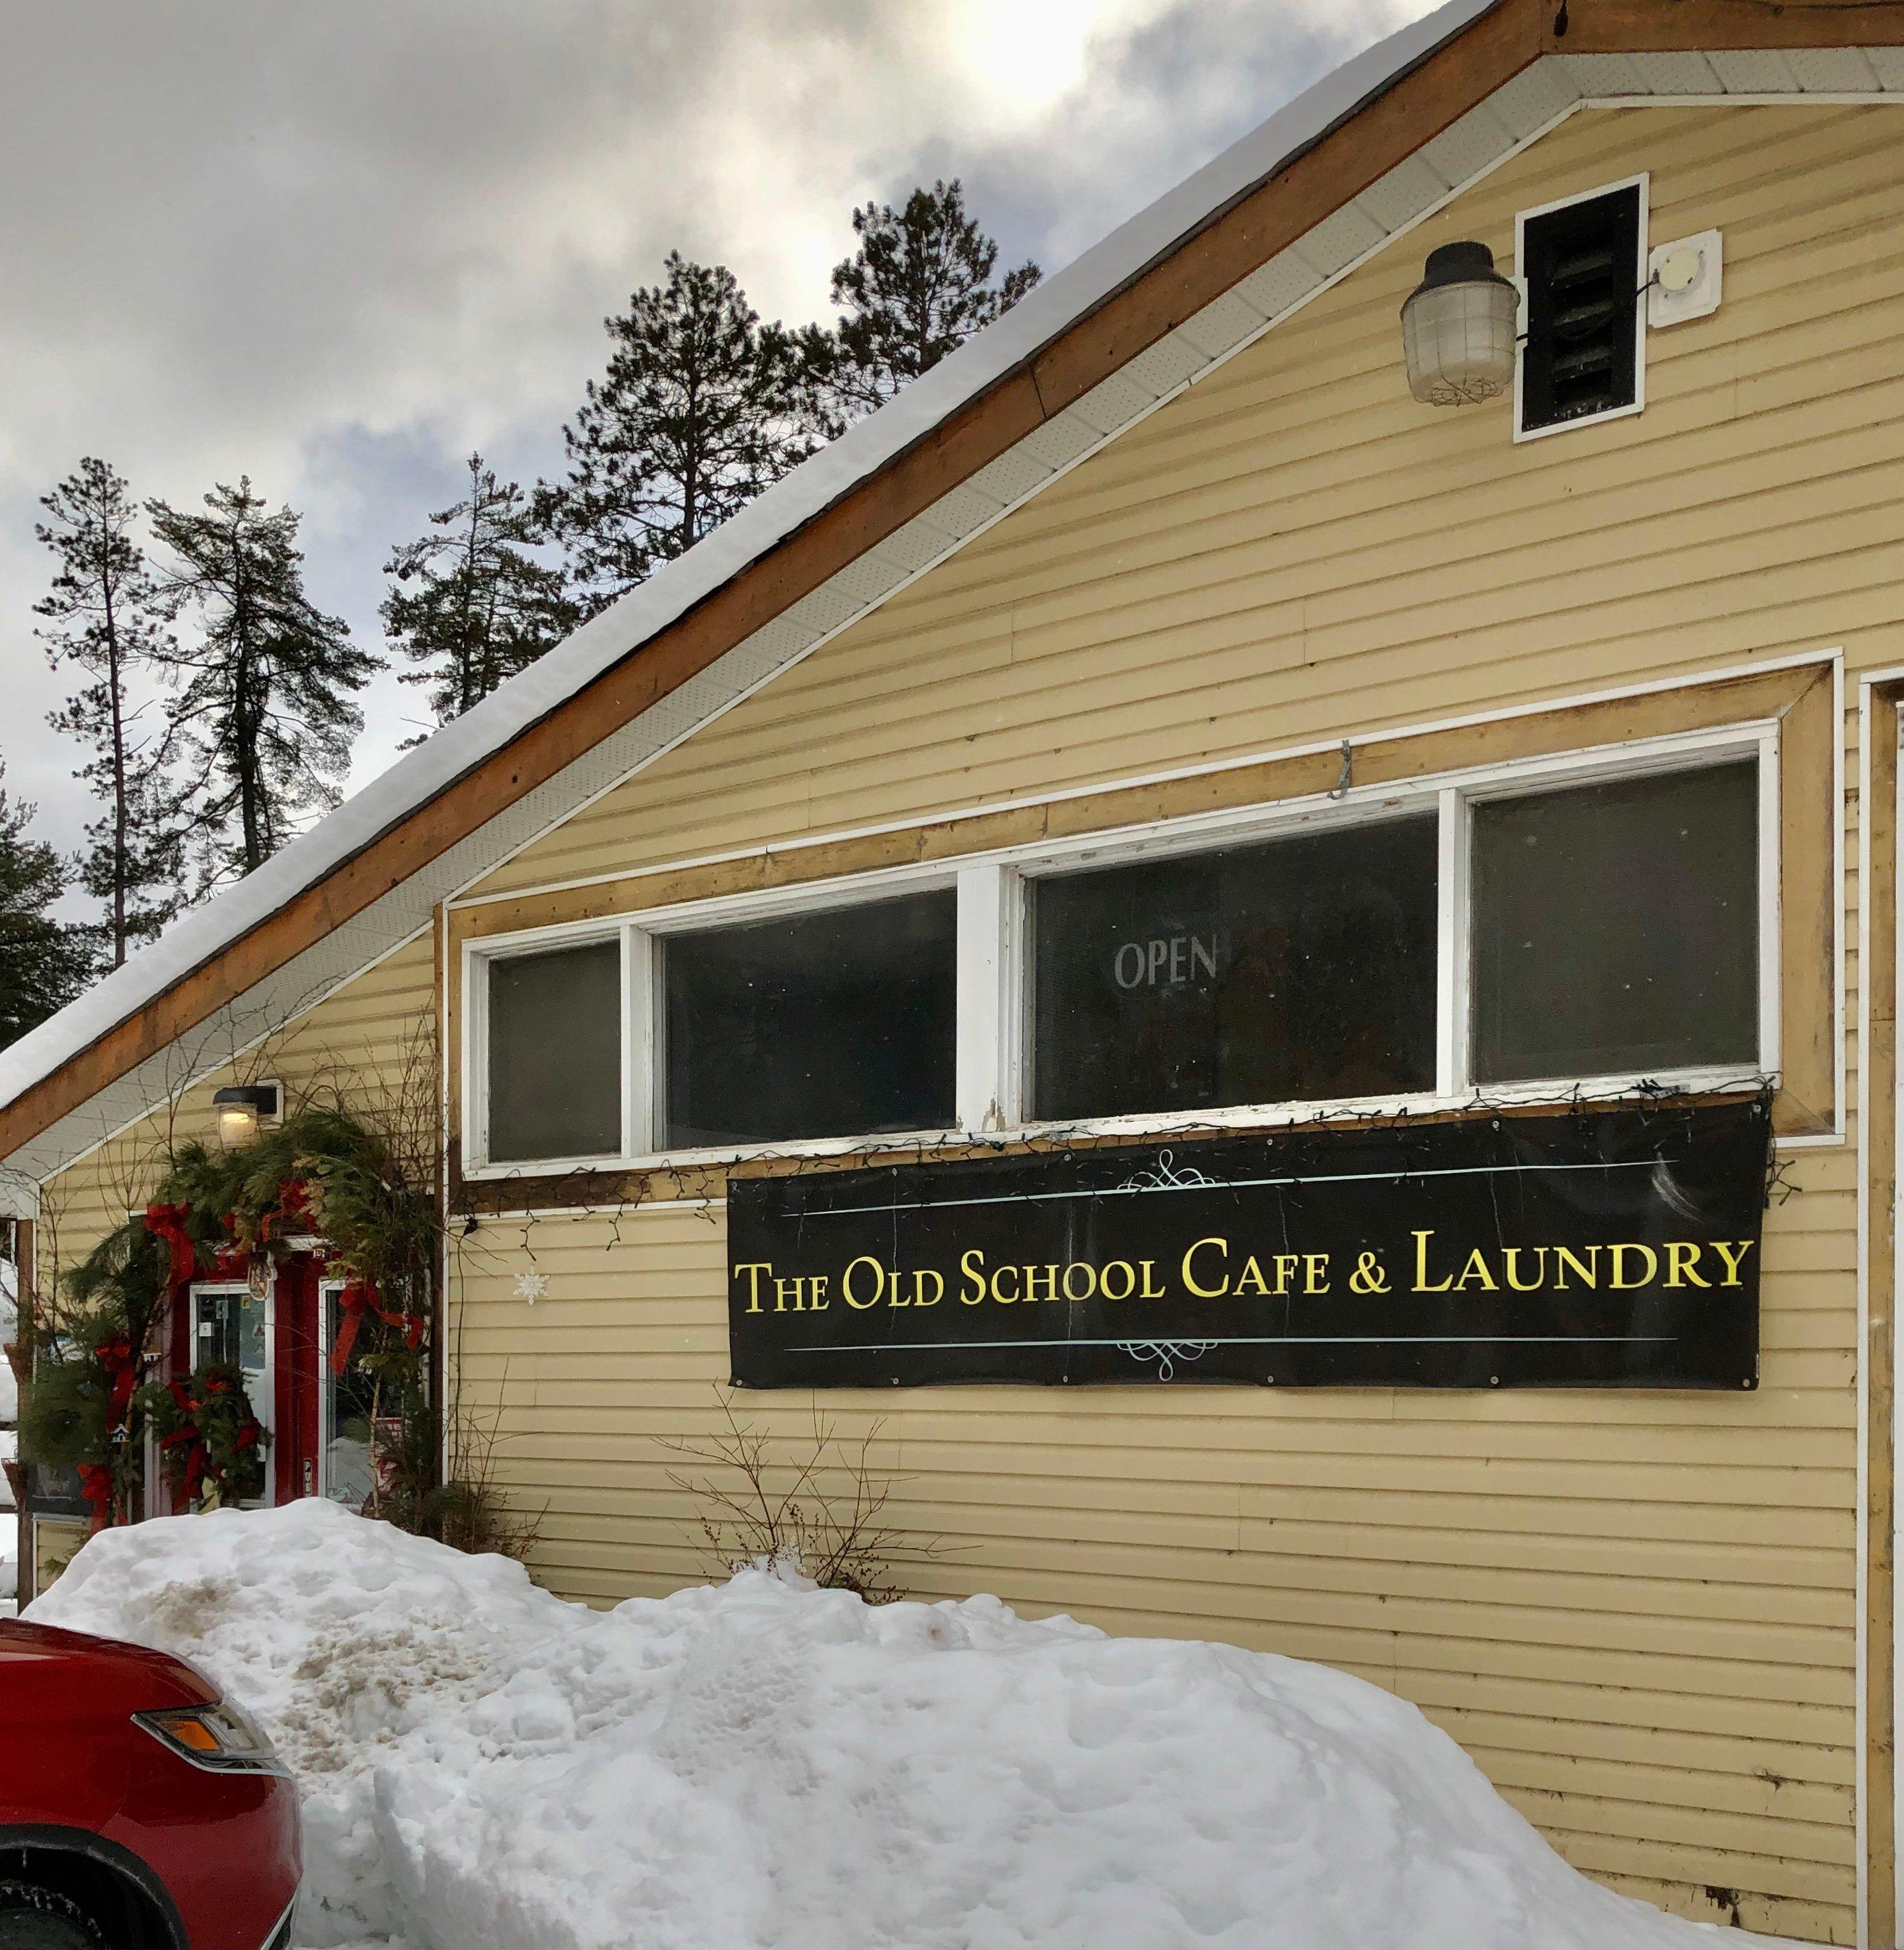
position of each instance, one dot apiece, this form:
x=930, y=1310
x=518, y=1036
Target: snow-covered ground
x=485, y=1767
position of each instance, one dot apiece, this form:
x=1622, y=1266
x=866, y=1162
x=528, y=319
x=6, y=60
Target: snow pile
x=487, y=1768
x=342, y=1636
x=9, y=1561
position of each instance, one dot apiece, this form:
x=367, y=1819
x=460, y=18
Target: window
x=1615, y=927
x=234, y=1325
x=825, y=1025
x=1514, y=930
x=1296, y=971
x=1583, y=263
x=348, y=1400
x=555, y=1053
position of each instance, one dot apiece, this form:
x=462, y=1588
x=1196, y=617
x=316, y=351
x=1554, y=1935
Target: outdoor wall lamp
x=243, y=1107
x=1457, y=329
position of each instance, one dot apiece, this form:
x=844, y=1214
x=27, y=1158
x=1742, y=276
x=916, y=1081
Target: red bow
x=195, y=1456
x=115, y=1357
x=194, y=1459
x=360, y=1297
x=168, y=1223
x=96, y=1486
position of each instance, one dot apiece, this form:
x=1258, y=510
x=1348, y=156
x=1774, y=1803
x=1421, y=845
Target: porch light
x=243, y=1107
x=1457, y=329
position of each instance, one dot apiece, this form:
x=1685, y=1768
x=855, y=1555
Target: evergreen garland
x=322, y=1172
x=79, y=1410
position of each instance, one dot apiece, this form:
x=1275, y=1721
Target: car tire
x=31, y=1918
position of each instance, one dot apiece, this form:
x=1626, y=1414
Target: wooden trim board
x=1803, y=698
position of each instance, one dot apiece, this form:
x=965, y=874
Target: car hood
x=48, y=1672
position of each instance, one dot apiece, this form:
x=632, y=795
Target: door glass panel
x=348, y=1401
x=231, y=1328
x=1615, y=927
x=1298, y=969
x=232, y=1325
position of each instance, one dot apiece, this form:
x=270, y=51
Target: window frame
x=994, y=945
x=1643, y=182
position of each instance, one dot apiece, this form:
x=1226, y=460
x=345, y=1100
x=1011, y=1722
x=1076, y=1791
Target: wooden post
x=19, y=1353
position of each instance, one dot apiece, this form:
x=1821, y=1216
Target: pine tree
x=103, y=609
x=702, y=408
x=44, y=963
x=481, y=609
x=263, y=709
x=920, y=284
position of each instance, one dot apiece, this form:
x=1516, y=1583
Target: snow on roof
x=420, y=776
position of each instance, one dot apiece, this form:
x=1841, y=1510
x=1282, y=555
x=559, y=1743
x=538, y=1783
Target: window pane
x=823, y=1026
x=350, y=1400
x=1296, y=971
x=1615, y=927
x=555, y=1053
x=230, y=1329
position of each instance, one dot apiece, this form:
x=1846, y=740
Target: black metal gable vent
x=1581, y=265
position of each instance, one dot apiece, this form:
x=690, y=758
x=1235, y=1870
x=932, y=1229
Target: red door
x=281, y=1353
x=299, y=1359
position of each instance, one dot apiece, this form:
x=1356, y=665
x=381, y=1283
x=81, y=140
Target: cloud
x=338, y=247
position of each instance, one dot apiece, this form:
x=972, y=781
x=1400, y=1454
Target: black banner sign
x=1611, y=1249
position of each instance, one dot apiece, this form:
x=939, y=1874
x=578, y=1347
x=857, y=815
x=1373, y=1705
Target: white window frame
x=1643, y=183
x=993, y=1066
x=266, y=1411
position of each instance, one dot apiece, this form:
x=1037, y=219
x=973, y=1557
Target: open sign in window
x=1298, y=968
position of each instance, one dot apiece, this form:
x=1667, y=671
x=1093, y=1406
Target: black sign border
x=1735, y=1129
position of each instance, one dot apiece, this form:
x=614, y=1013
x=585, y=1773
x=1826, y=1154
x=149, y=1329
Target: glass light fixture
x=1457, y=329
x=242, y=1107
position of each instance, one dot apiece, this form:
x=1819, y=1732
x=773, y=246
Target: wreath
x=211, y=1443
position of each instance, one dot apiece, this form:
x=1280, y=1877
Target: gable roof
x=1321, y=185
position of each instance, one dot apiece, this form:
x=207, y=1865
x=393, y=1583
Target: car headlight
x=218, y=1736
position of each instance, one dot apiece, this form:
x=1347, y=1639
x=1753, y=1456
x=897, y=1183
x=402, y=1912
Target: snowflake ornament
x=531, y=1287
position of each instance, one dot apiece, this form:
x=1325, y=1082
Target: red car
x=137, y=1811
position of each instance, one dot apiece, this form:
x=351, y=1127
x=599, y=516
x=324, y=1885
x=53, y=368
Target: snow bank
x=343, y=1636
x=487, y=1768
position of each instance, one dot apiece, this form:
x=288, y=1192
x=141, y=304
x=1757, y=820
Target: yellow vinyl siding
x=1294, y=549
x=370, y=1038
x=1637, y=1611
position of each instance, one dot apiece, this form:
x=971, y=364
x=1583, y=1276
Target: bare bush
x=467, y=1509
x=757, y=1508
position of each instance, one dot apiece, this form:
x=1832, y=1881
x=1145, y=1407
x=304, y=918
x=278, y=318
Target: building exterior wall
x=1638, y=1612
x=373, y=1040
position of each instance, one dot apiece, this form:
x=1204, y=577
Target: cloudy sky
x=336, y=245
